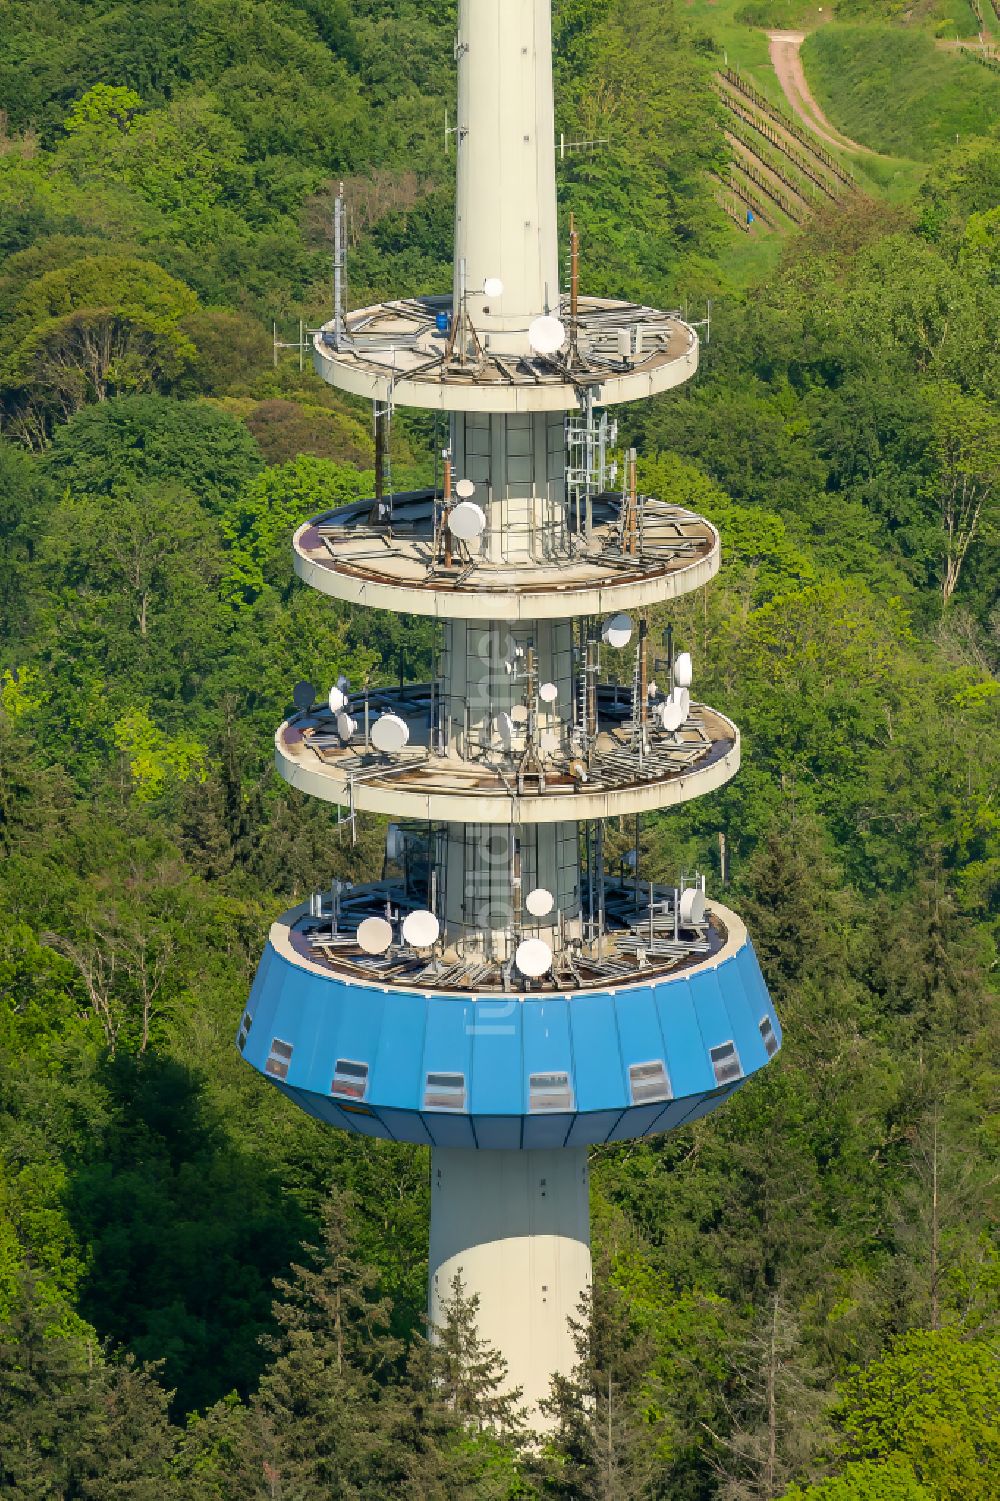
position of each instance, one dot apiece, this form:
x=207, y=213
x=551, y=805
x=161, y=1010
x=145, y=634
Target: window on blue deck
x=649, y=1082
x=549, y=1092
x=350, y=1079
x=278, y=1059
x=444, y=1092
x=726, y=1063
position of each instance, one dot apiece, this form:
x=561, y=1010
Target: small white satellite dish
x=465, y=489
x=533, y=958
x=693, y=905
x=421, y=930
x=390, y=733
x=303, y=696
x=539, y=902
x=547, y=335
x=338, y=698
x=519, y=714
x=493, y=287
x=672, y=716
x=393, y=842
x=346, y=725
x=683, y=670
x=617, y=631
x=467, y=521
x=549, y=741
x=503, y=727
x=374, y=935
x=682, y=698
x=548, y=693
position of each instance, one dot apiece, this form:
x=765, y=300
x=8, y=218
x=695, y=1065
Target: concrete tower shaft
x=505, y=217
x=516, y=1227
x=517, y=462
x=487, y=874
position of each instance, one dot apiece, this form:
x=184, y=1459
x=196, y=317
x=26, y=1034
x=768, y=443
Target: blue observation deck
x=522, y=1071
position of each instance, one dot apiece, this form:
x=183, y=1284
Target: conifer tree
x=44, y=1400
x=607, y=1422
x=313, y=1429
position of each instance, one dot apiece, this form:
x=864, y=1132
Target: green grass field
x=893, y=90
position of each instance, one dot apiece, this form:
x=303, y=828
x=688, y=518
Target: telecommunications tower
x=507, y=994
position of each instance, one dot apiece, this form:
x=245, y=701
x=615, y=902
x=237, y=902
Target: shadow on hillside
x=183, y=1232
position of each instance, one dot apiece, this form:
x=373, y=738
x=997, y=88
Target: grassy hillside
x=936, y=95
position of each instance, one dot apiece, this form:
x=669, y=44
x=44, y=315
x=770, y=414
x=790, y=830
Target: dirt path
x=788, y=66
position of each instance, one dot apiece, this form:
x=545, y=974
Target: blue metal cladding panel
x=753, y=981
x=448, y=1049
x=713, y=1018
x=267, y=1003
x=262, y=982
x=687, y=1054
x=497, y=1097
x=600, y=1076
x=350, y=1029
x=498, y=1043
x=548, y=1049
x=398, y=1075
x=641, y=1041
x=601, y=1094
x=744, y=1018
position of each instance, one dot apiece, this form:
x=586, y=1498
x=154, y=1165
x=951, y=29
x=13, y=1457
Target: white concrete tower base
x=516, y=1225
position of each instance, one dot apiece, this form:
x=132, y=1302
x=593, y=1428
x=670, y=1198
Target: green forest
x=204, y=1294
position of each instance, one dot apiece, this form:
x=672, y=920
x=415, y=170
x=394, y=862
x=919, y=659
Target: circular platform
x=345, y=555
x=509, y=1072
x=397, y=350
x=703, y=755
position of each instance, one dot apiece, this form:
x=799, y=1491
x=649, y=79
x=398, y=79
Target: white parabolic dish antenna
x=394, y=842
x=548, y=693
x=493, y=287
x=692, y=905
x=682, y=698
x=390, y=733
x=346, y=726
x=421, y=930
x=467, y=521
x=547, y=335
x=539, y=902
x=617, y=631
x=672, y=716
x=533, y=958
x=683, y=670
x=338, y=698
x=375, y=935
x=465, y=489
